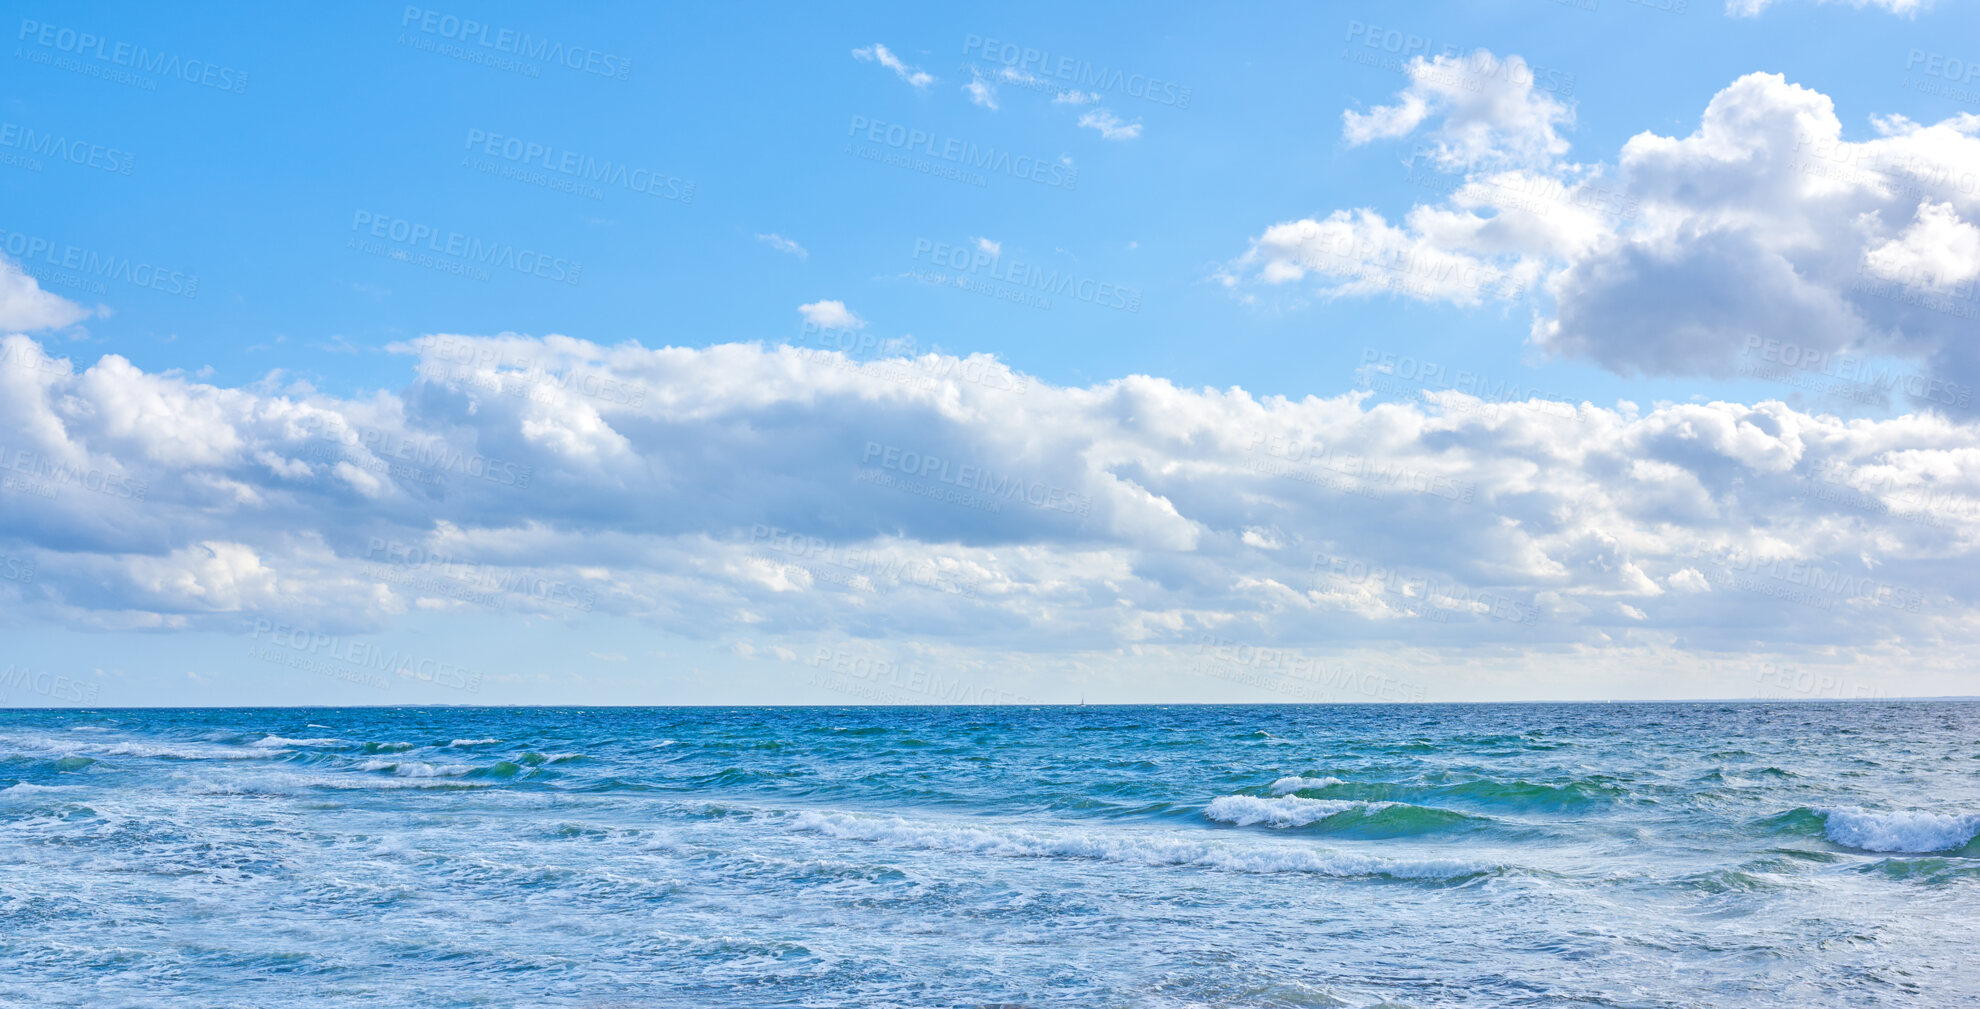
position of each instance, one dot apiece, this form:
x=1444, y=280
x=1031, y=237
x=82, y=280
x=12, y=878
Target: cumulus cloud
x=1939, y=251
x=1764, y=224
x=831, y=315
x=877, y=53
x=1488, y=113
x=1364, y=254
x=950, y=501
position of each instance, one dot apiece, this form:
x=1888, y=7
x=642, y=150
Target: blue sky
x=1218, y=242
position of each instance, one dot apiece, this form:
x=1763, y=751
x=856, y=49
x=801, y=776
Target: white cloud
x=995, y=249
x=1488, y=112
x=831, y=315
x=1366, y=254
x=877, y=53
x=1688, y=580
x=981, y=92
x=782, y=244
x=811, y=497
x=1763, y=224
x=1939, y=251
x=1110, y=125
x=25, y=307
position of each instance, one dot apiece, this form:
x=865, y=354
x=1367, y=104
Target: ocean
x=1793, y=854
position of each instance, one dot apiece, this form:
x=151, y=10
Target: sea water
x=1641, y=855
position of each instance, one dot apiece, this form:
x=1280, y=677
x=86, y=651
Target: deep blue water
x=1642, y=855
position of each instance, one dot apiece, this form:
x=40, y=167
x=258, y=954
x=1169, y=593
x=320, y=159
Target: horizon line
x=1069, y=704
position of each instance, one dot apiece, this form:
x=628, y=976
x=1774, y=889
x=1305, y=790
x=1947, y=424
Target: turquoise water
x=1643, y=855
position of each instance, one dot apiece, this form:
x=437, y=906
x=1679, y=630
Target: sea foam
x=1909, y=831
x=1286, y=811
x=280, y=741
x=1152, y=849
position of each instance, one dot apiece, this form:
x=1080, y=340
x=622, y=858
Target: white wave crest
x=277, y=741
x=473, y=742
x=1137, y=849
x=177, y=752
x=1910, y=831
x=1287, y=811
x=1294, y=783
x=416, y=768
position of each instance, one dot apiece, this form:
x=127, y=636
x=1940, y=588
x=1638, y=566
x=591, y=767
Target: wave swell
x=1146, y=849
